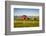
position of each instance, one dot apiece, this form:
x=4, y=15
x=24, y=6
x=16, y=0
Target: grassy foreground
x=26, y=23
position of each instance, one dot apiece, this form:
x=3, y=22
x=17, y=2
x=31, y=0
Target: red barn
x=24, y=17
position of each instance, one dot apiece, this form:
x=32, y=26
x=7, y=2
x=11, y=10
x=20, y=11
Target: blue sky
x=26, y=11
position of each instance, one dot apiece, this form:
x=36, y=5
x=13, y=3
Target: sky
x=26, y=11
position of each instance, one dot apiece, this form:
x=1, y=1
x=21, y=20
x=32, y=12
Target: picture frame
x=16, y=9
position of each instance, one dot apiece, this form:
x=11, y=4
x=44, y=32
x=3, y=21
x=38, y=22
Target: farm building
x=24, y=17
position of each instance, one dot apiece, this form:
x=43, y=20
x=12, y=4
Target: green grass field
x=25, y=23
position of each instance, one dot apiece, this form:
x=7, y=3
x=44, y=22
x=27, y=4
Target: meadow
x=26, y=23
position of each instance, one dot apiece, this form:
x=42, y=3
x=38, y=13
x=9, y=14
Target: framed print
x=24, y=17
